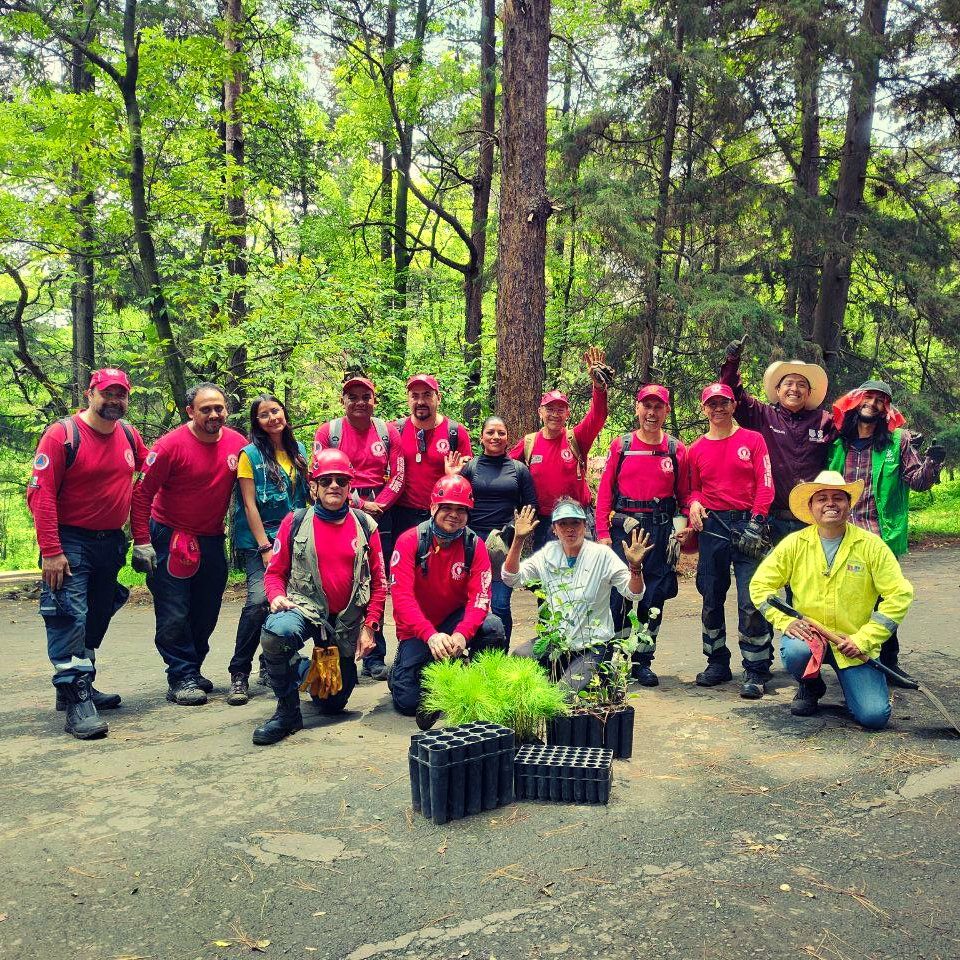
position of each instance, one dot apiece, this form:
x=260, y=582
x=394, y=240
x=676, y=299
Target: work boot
x=426, y=718
x=102, y=701
x=806, y=700
x=187, y=692
x=239, y=690
x=642, y=673
x=753, y=684
x=263, y=678
x=715, y=673
x=83, y=721
x=376, y=671
x=285, y=721
x=204, y=684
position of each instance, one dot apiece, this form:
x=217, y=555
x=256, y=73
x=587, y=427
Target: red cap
x=716, y=390
x=654, y=390
x=424, y=378
x=109, y=377
x=554, y=396
x=454, y=489
x=183, y=560
x=361, y=381
x=330, y=461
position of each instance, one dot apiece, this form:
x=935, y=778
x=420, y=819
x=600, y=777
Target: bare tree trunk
x=386, y=147
x=235, y=190
x=838, y=257
x=524, y=209
x=474, y=280
x=648, y=331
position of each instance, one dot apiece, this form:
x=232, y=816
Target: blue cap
x=568, y=511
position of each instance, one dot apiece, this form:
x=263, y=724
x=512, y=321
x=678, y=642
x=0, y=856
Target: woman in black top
x=500, y=486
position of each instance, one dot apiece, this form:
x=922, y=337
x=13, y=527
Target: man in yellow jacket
x=837, y=573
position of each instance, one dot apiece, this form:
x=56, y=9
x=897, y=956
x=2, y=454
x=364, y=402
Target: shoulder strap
x=469, y=549
x=71, y=440
x=575, y=447
x=625, y=442
x=528, y=441
x=131, y=439
x=298, y=516
x=401, y=423
x=366, y=523
x=336, y=432
x=423, y=546
x=453, y=435
x=381, y=427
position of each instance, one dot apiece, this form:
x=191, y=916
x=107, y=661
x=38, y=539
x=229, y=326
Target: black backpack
x=425, y=543
x=72, y=437
x=625, y=442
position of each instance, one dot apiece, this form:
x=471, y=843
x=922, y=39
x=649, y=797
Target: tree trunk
x=838, y=257
x=386, y=147
x=648, y=331
x=524, y=208
x=474, y=280
x=235, y=192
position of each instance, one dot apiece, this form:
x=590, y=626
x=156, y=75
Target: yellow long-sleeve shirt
x=841, y=598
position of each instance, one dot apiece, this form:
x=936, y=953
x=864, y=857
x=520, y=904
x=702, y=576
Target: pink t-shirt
x=731, y=474
x=371, y=462
x=95, y=493
x=187, y=483
x=421, y=475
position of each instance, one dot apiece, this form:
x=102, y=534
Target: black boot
x=102, y=701
x=288, y=719
x=642, y=673
x=83, y=721
x=715, y=673
x=807, y=698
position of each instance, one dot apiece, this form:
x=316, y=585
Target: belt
x=90, y=534
x=656, y=505
x=732, y=514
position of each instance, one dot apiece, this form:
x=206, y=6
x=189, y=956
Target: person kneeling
x=325, y=582
x=837, y=573
x=576, y=576
x=441, y=594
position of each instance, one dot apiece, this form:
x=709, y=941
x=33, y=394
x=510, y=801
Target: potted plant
x=494, y=687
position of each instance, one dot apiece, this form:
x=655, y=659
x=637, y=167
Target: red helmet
x=452, y=490
x=330, y=461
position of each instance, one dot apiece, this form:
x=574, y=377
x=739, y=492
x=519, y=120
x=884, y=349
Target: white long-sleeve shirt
x=581, y=593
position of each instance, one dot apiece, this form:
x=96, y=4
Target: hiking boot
x=753, y=685
x=102, y=701
x=643, y=675
x=203, y=683
x=239, y=690
x=426, y=718
x=83, y=721
x=376, y=671
x=263, y=678
x=805, y=700
x=715, y=673
x=187, y=693
x=285, y=721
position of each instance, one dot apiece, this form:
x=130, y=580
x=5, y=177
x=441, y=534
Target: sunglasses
x=340, y=479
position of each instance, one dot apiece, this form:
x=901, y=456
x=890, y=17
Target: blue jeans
x=77, y=615
x=284, y=633
x=717, y=555
x=413, y=655
x=186, y=611
x=864, y=687
x=252, y=615
x=500, y=595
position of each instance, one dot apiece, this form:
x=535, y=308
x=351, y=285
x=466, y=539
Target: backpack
x=425, y=542
x=625, y=442
x=336, y=432
x=72, y=437
x=453, y=432
x=531, y=438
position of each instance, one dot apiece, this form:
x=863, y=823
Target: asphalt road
x=735, y=831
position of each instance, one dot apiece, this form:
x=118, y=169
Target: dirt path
x=735, y=831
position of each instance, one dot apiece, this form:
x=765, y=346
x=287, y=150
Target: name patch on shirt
x=816, y=436
x=855, y=567
x=536, y=458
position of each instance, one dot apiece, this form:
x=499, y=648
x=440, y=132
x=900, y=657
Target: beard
x=868, y=417
x=110, y=411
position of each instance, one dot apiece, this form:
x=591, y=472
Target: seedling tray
x=612, y=730
x=458, y=771
x=563, y=774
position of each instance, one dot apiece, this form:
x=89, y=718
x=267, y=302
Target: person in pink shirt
x=373, y=447
x=557, y=454
x=79, y=495
x=440, y=587
x=178, y=540
x=429, y=441
x=644, y=485
x=731, y=489
x=326, y=583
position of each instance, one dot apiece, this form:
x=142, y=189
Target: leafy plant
x=497, y=688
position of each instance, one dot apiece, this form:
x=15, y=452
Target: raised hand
x=640, y=545
x=600, y=372
x=524, y=522
x=453, y=463
x=735, y=347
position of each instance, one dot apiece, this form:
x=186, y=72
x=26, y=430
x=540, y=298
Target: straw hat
x=826, y=480
x=816, y=377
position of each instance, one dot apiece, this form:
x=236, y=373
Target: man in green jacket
x=838, y=573
x=874, y=447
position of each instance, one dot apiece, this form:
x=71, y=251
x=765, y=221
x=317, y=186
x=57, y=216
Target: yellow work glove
x=323, y=679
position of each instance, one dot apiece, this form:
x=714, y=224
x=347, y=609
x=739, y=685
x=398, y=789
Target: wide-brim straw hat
x=816, y=377
x=826, y=480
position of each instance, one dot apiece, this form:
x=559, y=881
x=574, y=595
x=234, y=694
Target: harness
x=657, y=505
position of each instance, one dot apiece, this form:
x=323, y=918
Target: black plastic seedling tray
x=583, y=728
x=458, y=771
x=563, y=774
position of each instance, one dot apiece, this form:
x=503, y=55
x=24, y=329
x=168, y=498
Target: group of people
x=312, y=530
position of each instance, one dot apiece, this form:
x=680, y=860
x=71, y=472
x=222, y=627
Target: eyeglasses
x=340, y=479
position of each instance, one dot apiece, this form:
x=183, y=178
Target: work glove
x=937, y=452
x=735, y=347
x=323, y=677
x=673, y=553
x=144, y=559
x=754, y=542
x=602, y=374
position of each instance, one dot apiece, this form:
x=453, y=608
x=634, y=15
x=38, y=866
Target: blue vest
x=273, y=502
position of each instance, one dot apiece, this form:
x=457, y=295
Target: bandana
x=445, y=538
x=853, y=399
x=331, y=516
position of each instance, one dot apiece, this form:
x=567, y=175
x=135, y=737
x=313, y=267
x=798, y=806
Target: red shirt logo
x=151, y=458
x=378, y=449
x=443, y=446
x=128, y=456
x=457, y=571
x=744, y=453
x=41, y=462
x=666, y=465
x=232, y=461
x=395, y=559
x=567, y=454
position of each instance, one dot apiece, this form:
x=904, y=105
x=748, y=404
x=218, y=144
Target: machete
x=902, y=679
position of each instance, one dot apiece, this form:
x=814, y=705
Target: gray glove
x=144, y=559
x=602, y=374
x=673, y=552
x=754, y=542
x=735, y=347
